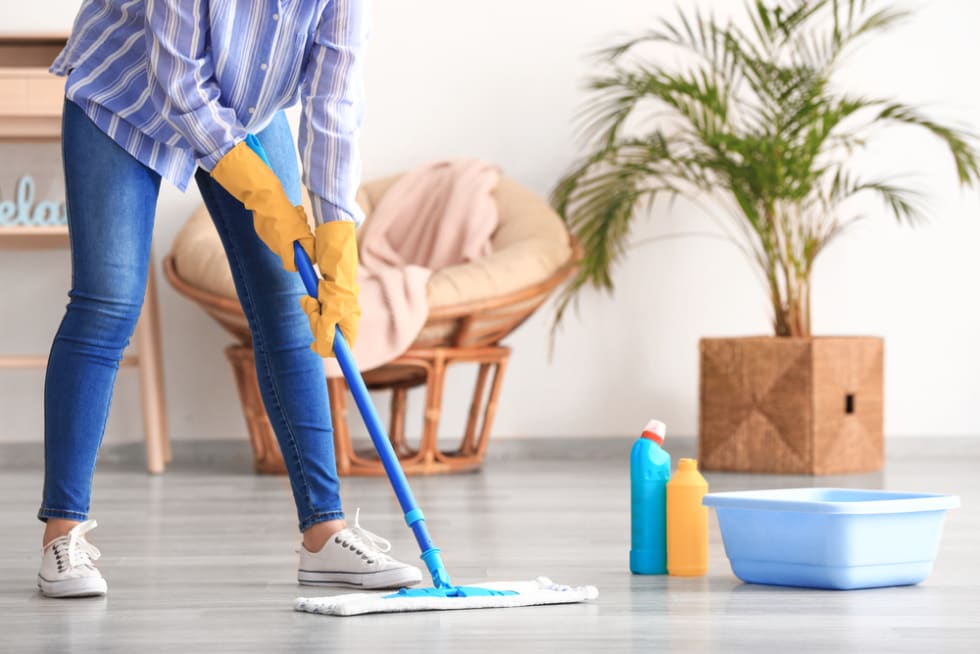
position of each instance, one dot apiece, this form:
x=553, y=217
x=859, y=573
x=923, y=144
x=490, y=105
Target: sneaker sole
x=82, y=587
x=371, y=580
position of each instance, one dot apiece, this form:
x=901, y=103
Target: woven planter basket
x=792, y=405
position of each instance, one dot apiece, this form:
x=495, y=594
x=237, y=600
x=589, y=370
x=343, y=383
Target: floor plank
x=202, y=559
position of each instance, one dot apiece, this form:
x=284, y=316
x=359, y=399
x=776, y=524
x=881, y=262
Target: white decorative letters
x=22, y=210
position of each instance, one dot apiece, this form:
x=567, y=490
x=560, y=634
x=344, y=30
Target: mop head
x=481, y=596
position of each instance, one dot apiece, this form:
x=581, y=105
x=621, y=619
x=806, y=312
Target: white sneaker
x=355, y=557
x=67, y=565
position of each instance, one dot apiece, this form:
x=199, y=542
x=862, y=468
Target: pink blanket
x=438, y=215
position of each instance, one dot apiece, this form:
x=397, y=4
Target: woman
x=170, y=89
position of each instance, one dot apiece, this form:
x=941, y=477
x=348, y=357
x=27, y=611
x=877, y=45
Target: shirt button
x=251, y=110
x=275, y=16
x=264, y=66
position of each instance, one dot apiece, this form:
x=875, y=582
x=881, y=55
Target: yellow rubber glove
x=277, y=222
x=336, y=303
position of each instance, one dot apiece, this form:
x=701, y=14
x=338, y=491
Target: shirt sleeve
x=181, y=77
x=332, y=96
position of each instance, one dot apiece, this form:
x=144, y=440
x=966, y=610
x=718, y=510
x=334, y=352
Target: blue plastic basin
x=831, y=537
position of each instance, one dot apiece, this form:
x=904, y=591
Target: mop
x=442, y=595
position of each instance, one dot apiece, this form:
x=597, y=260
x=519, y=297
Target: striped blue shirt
x=178, y=83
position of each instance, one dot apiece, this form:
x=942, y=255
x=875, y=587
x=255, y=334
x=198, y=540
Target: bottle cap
x=687, y=464
x=655, y=431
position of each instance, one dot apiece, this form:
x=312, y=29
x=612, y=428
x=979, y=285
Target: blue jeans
x=111, y=200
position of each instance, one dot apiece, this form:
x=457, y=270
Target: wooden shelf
x=20, y=237
x=31, y=101
x=31, y=98
x=30, y=128
x=32, y=38
x=33, y=362
x=30, y=50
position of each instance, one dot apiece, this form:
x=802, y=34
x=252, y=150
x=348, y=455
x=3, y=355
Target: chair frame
x=473, y=332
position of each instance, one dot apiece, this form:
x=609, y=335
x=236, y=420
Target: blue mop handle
x=413, y=514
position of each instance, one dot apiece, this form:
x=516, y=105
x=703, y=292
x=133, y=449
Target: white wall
x=502, y=81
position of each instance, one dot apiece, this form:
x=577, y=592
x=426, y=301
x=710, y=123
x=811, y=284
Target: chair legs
x=428, y=458
x=399, y=401
x=472, y=444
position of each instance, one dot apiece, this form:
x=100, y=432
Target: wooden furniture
x=456, y=332
x=474, y=335
x=31, y=101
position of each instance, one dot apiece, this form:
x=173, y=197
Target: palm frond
x=957, y=141
x=905, y=204
x=750, y=120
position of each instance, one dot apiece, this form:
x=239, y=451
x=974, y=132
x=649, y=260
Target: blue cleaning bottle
x=649, y=473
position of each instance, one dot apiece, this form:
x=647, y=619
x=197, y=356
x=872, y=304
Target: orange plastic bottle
x=687, y=522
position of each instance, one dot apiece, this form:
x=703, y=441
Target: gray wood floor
x=203, y=559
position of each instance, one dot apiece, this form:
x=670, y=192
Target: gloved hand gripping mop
x=443, y=595
x=245, y=173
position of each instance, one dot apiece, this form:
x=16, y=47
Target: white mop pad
x=529, y=593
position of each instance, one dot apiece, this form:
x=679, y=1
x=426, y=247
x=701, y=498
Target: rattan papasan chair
x=472, y=308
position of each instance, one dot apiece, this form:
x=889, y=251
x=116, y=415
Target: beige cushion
x=529, y=245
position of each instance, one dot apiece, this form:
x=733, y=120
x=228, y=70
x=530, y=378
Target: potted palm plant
x=754, y=125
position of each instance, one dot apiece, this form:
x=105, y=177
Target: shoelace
x=81, y=553
x=369, y=545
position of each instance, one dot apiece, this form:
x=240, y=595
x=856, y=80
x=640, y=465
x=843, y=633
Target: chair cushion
x=529, y=245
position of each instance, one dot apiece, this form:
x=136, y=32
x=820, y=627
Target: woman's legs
x=291, y=376
x=111, y=199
